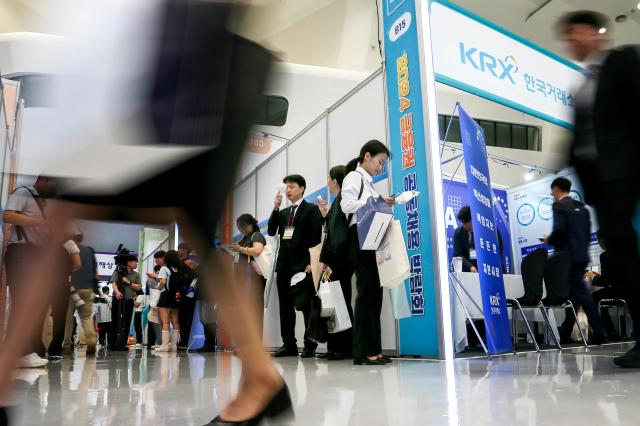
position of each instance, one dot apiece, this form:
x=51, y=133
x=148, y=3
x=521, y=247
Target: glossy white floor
x=572, y=387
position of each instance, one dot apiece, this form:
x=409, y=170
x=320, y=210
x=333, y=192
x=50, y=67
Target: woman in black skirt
x=203, y=90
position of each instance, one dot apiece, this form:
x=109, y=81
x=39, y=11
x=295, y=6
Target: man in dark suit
x=464, y=244
x=300, y=228
x=606, y=149
x=572, y=235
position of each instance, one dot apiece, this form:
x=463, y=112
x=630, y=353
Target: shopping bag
x=392, y=257
x=154, y=296
x=373, y=219
x=265, y=261
x=339, y=319
x=400, y=302
x=330, y=294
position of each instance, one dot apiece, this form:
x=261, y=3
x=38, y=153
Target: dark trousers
x=59, y=306
x=121, y=314
x=580, y=296
x=367, y=333
x=185, y=319
x=615, y=207
x=343, y=342
x=103, y=334
x=18, y=260
x=288, y=311
x=137, y=324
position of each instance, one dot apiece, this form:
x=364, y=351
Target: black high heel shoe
x=280, y=406
x=4, y=416
x=363, y=360
x=386, y=359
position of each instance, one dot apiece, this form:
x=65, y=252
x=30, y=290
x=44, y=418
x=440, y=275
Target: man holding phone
x=300, y=228
x=125, y=289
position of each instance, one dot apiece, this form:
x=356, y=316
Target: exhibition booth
x=440, y=61
x=443, y=67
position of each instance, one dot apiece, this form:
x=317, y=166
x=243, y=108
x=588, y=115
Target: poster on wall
x=485, y=236
x=456, y=196
x=532, y=216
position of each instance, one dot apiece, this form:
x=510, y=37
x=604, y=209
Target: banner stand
x=466, y=312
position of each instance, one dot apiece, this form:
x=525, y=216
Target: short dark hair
x=172, y=260
x=338, y=173
x=584, y=17
x=296, y=179
x=105, y=289
x=159, y=254
x=464, y=215
x=563, y=184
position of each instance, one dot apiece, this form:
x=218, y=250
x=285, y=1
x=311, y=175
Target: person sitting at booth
x=464, y=244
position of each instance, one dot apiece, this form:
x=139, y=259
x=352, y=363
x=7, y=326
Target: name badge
x=288, y=232
x=472, y=254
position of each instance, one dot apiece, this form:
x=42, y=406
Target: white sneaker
x=138, y=346
x=163, y=348
x=32, y=361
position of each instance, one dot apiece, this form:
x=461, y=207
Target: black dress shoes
x=286, y=351
x=336, y=356
x=629, y=360
x=279, y=407
x=366, y=361
x=308, y=353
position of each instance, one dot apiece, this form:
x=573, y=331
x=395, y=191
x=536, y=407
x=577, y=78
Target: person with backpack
x=249, y=248
x=172, y=278
x=357, y=188
x=26, y=212
x=85, y=281
x=334, y=264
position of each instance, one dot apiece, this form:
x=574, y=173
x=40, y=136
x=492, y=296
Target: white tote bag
x=392, y=257
x=330, y=293
x=266, y=260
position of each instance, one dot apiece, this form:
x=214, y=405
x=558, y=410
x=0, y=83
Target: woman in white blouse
x=357, y=188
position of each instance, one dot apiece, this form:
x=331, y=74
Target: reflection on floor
x=550, y=388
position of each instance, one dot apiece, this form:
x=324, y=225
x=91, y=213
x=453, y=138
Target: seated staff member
x=335, y=264
x=300, y=228
x=356, y=190
x=464, y=245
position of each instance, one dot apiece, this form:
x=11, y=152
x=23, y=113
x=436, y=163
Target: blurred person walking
x=202, y=89
x=605, y=151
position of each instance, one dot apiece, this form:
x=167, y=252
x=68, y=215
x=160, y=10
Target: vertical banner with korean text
x=407, y=140
x=494, y=304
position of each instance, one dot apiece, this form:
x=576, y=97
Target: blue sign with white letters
x=494, y=303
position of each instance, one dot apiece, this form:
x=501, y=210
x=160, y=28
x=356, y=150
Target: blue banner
x=456, y=196
x=408, y=142
x=494, y=303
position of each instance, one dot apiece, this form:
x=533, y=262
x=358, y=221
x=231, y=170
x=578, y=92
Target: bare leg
x=261, y=381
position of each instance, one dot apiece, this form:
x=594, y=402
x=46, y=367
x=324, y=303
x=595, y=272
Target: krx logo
x=485, y=62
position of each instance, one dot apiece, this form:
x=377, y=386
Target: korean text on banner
x=407, y=74
x=494, y=302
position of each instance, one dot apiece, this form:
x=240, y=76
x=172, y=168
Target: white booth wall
x=333, y=138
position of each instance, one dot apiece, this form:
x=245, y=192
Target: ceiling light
x=638, y=6
x=528, y=176
x=602, y=30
